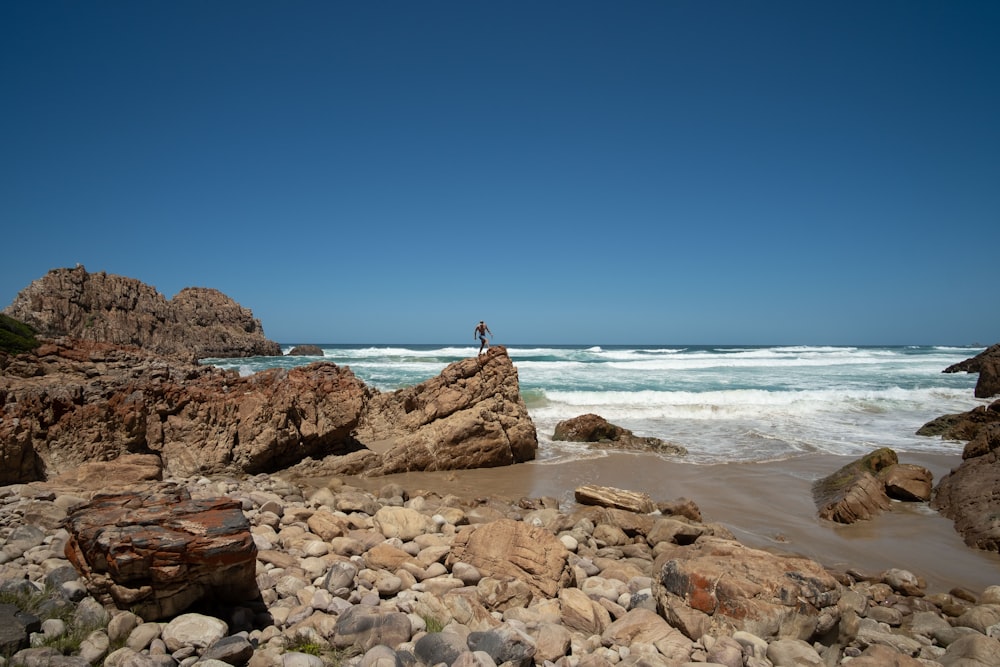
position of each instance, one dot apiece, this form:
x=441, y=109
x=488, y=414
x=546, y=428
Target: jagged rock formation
x=66, y=404
x=597, y=431
x=987, y=364
x=970, y=494
x=198, y=322
x=470, y=416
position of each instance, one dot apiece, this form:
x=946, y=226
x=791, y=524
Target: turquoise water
x=723, y=403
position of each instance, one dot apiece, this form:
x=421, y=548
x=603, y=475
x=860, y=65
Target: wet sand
x=766, y=505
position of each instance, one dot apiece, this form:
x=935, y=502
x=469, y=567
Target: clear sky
x=661, y=172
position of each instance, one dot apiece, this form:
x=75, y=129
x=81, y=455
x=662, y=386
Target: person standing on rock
x=481, y=331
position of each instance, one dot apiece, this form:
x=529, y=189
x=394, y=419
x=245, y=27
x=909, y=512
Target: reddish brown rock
x=74, y=402
x=158, y=552
x=470, y=416
x=987, y=364
x=605, y=496
x=718, y=586
x=99, y=307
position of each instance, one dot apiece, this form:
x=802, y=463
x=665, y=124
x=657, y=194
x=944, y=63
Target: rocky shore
x=407, y=577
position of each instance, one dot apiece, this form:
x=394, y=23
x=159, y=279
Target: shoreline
x=765, y=505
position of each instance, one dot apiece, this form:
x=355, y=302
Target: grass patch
x=433, y=625
x=15, y=336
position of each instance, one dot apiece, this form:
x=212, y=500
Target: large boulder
x=987, y=364
x=157, y=552
x=198, y=322
x=855, y=492
x=968, y=494
x=513, y=550
x=598, y=431
x=717, y=585
x=470, y=416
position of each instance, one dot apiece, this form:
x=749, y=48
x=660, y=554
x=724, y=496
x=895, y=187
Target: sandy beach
x=767, y=505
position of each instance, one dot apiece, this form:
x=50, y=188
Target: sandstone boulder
x=605, y=496
x=507, y=549
x=720, y=586
x=595, y=429
x=905, y=481
x=198, y=322
x=159, y=551
x=987, y=364
x=470, y=416
x=854, y=492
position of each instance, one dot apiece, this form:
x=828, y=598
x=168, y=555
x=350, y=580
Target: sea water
x=722, y=403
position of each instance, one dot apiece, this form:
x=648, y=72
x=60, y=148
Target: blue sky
x=571, y=172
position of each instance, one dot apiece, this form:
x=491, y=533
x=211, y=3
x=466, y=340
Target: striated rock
x=719, y=585
x=470, y=416
x=987, y=364
x=99, y=307
x=854, y=493
x=597, y=430
x=508, y=549
x=306, y=351
x=160, y=551
x=606, y=496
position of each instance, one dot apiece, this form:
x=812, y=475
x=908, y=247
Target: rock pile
x=357, y=578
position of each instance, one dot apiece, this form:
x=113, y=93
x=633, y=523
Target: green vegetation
x=40, y=604
x=15, y=336
x=332, y=657
x=433, y=625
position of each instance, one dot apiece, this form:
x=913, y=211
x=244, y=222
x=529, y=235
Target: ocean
x=723, y=404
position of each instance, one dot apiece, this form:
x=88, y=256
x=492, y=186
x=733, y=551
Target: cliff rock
x=74, y=402
x=987, y=364
x=99, y=307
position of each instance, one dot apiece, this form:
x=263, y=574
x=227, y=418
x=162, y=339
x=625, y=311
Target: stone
x=987, y=364
x=510, y=549
x=366, y=627
x=854, y=493
x=605, y=496
x=597, y=431
x=195, y=630
x=908, y=482
x=306, y=351
x=160, y=551
x=720, y=585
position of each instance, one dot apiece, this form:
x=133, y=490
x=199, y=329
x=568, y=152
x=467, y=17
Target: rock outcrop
x=968, y=494
x=306, y=351
x=987, y=364
x=470, y=416
x=862, y=489
x=597, y=431
x=99, y=307
x=67, y=404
